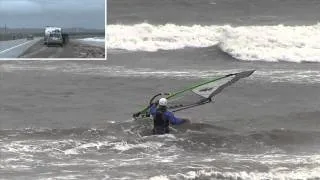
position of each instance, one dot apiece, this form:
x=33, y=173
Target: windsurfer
x=162, y=117
x=187, y=98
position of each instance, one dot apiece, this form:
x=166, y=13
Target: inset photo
x=52, y=29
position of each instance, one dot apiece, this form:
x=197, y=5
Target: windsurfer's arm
x=174, y=120
x=153, y=109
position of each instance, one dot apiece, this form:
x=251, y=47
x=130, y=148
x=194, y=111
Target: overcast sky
x=63, y=13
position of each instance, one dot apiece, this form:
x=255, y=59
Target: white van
x=53, y=36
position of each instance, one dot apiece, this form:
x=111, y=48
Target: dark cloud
x=65, y=13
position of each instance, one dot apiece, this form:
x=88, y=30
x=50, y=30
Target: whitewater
x=249, y=43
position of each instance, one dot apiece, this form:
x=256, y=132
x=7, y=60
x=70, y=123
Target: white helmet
x=163, y=102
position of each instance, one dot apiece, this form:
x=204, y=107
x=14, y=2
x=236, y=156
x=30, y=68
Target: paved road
x=14, y=48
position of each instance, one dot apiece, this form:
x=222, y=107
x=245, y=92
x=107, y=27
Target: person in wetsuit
x=162, y=118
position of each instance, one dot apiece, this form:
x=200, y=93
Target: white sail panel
x=207, y=89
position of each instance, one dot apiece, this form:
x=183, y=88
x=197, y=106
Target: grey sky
x=64, y=13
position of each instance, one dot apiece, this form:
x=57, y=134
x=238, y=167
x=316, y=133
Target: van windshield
x=55, y=35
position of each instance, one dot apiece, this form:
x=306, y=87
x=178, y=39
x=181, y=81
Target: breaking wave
x=277, y=173
x=101, y=149
x=202, y=136
x=252, y=43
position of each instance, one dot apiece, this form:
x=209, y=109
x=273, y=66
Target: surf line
x=9, y=49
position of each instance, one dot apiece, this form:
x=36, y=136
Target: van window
x=55, y=35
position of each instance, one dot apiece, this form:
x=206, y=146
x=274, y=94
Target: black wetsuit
x=160, y=122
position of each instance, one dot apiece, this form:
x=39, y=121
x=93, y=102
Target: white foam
x=286, y=159
x=263, y=43
x=272, y=43
x=147, y=37
x=82, y=147
x=166, y=158
x=280, y=174
x=66, y=177
x=276, y=158
x=53, y=148
x=165, y=137
x=95, y=39
x=58, y=164
x=18, y=167
x=159, y=178
x=124, y=146
x=282, y=166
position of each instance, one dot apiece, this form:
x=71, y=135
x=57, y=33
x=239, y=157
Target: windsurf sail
x=196, y=95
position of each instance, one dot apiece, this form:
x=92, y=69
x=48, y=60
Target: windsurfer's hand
x=186, y=121
x=136, y=114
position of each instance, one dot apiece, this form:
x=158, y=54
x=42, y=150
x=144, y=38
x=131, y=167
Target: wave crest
x=147, y=37
x=254, y=43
